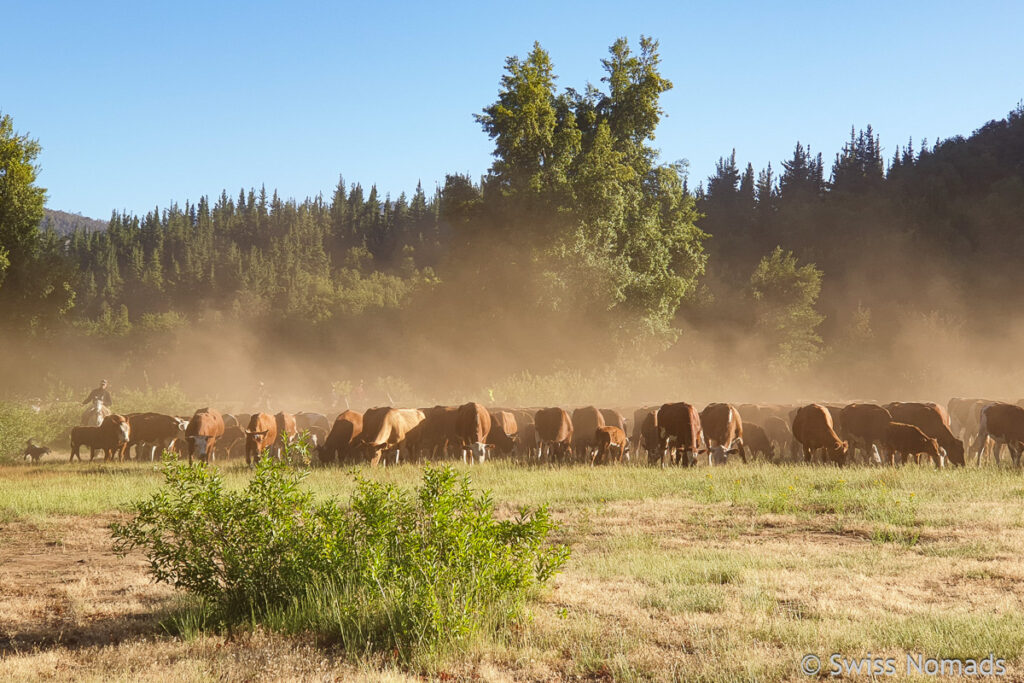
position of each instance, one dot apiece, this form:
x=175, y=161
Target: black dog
x=35, y=452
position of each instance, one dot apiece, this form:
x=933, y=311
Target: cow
x=812, y=427
x=723, y=432
x=260, y=436
x=863, y=425
x=112, y=436
x=585, y=422
x=679, y=433
x=385, y=429
x=340, y=445
x=610, y=444
x=613, y=418
x=434, y=434
x=780, y=435
x=472, y=425
x=94, y=415
x=554, y=432
x=933, y=420
x=645, y=432
x=232, y=443
x=230, y=421
x=907, y=440
x=286, y=431
x=35, y=452
x=205, y=427
x=504, y=431
x=1004, y=424
x=304, y=422
x=756, y=440
x=526, y=443
x=154, y=431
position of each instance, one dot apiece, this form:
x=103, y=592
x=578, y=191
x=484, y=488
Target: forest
x=580, y=262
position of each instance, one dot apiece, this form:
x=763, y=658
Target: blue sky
x=137, y=104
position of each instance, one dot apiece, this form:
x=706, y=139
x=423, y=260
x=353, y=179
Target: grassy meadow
x=730, y=573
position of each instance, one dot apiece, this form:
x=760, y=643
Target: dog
x=35, y=452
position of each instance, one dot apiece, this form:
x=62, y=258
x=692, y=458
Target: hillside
x=64, y=223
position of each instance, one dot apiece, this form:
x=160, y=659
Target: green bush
x=404, y=573
x=51, y=426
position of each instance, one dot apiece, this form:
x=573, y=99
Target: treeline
x=576, y=248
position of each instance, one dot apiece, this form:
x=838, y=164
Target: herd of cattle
x=673, y=433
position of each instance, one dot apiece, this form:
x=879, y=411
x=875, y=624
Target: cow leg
x=876, y=459
x=807, y=455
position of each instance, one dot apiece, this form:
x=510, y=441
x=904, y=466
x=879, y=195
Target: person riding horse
x=99, y=394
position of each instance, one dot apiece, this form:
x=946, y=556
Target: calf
x=907, y=440
x=610, y=444
x=112, y=436
x=812, y=427
x=933, y=420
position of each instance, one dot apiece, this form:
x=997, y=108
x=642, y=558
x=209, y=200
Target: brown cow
x=932, y=419
x=554, y=434
x=287, y=430
x=756, y=440
x=1004, y=424
x=611, y=444
x=232, y=443
x=723, y=432
x=112, y=436
x=205, y=427
x=260, y=436
x=155, y=432
x=504, y=431
x=472, y=425
x=613, y=418
x=526, y=442
x=812, y=427
x=864, y=424
x=908, y=440
x=434, y=434
x=391, y=427
x=338, y=447
x=780, y=435
x=679, y=432
x=645, y=431
x=585, y=422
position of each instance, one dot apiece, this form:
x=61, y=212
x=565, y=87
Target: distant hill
x=65, y=223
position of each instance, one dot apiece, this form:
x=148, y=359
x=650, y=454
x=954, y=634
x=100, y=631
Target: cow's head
x=199, y=445
x=257, y=438
x=955, y=452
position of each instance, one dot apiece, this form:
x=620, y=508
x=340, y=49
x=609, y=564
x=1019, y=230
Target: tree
x=784, y=294
x=21, y=202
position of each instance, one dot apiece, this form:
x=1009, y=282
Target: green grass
x=720, y=574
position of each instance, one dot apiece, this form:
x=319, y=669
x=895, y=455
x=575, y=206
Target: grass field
x=723, y=574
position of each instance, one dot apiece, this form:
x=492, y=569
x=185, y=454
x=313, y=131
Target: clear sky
x=137, y=104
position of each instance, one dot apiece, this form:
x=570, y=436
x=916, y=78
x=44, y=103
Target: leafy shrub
x=395, y=571
x=49, y=426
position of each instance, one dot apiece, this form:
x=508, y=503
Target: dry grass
x=674, y=575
